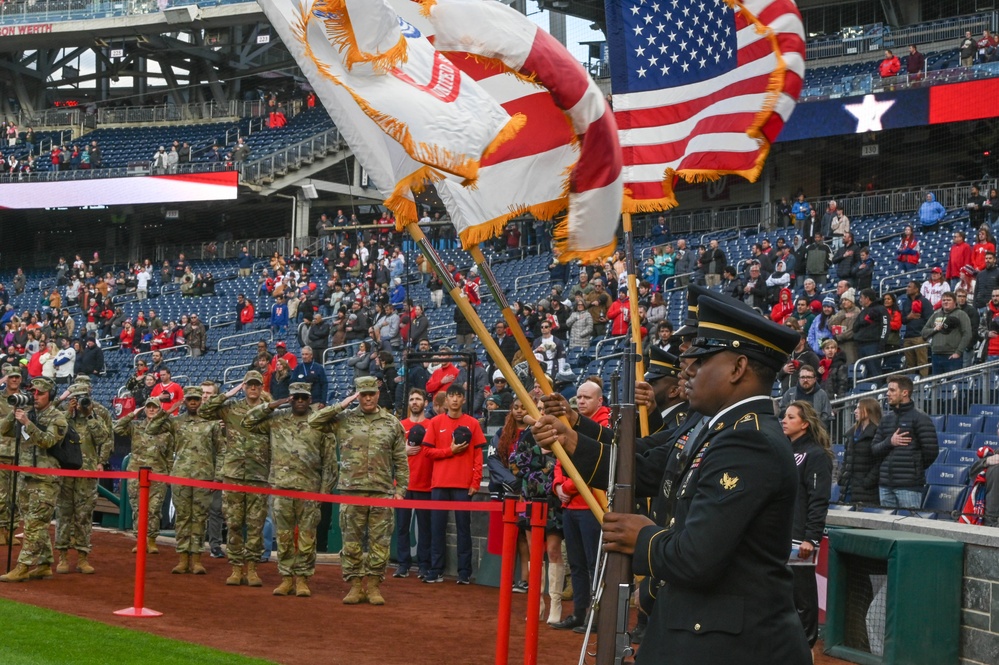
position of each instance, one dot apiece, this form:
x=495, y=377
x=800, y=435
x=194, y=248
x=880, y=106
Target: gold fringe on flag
x=340, y=32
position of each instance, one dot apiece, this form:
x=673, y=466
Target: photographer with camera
x=949, y=332
x=12, y=388
x=78, y=496
x=39, y=429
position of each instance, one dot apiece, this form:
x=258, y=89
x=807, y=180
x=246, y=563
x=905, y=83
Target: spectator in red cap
x=281, y=351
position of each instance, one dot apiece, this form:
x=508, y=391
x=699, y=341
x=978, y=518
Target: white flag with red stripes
x=567, y=155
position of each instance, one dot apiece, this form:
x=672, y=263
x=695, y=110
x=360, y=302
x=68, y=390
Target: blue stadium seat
x=964, y=424
x=960, y=457
x=947, y=474
x=983, y=410
x=938, y=422
x=944, y=498
x=985, y=439
x=954, y=440
x=990, y=424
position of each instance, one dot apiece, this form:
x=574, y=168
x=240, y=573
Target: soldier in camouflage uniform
x=100, y=410
x=78, y=496
x=303, y=459
x=152, y=446
x=12, y=376
x=372, y=446
x=247, y=462
x=37, y=494
x=199, y=448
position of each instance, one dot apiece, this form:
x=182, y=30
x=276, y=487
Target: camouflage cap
x=83, y=378
x=152, y=402
x=366, y=384
x=11, y=370
x=253, y=375
x=43, y=384
x=78, y=390
x=300, y=388
x=192, y=391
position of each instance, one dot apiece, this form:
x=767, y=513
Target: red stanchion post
x=539, y=518
x=507, y=564
x=138, y=608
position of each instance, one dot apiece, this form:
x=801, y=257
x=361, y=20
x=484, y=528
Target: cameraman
x=78, y=496
x=12, y=377
x=42, y=427
x=949, y=332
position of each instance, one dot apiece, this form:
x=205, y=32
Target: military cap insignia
x=719, y=427
x=729, y=482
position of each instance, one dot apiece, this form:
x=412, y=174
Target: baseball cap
x=300, y=388
x=462, y=435
x=416, y=434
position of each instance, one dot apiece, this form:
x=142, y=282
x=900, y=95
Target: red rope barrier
x=507, y=563
x=539, y=518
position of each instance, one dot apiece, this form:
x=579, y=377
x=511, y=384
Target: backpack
x=67, y=452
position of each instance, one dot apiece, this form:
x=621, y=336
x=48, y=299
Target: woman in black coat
x=810, y=445
x=859, y=479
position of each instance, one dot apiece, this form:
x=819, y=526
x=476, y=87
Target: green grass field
x=35, y=636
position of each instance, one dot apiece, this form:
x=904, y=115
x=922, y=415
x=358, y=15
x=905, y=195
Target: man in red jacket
x=168, y=392
x=421, y=469
x=961, y=255
x=890, y=66
x=456, y=441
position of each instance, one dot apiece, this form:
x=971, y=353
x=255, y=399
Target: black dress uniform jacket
x=723, y=557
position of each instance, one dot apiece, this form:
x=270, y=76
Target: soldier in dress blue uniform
x=719, y=552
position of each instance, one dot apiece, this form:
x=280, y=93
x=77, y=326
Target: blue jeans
x=899, y=498
x=582, y=538
x=942, y=362
x=438, y=530
x=404, y=524
x=268, y=537
x=872, y=366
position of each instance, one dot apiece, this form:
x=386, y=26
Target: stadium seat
x=983, y=439
x=944, y=498
x=964, y=424
x=954, y=440
x=963, y=458
x=983, y=410
x=947, y=474
x=990, y=424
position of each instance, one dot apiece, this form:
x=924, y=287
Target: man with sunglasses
x=37, y=494
x=303, y=459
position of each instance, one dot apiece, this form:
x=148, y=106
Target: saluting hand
x=349, y=400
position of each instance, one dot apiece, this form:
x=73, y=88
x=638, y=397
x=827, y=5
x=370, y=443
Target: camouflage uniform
x=199, y=449
x=37, y=494
x=303, y=459
x=247, y=461
x=373, y=463
x=78, y=496
x=152, y=446
x=6, y=477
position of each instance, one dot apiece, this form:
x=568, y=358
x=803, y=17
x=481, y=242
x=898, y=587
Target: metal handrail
x=219, y=320
x=342, y=347
x=883, y=355
x=261, y=333
x=279, y=161
x=607, y=340
x=963, y=373
x=881, y=282
x=870, y=234
x=516, y=282
x=138, y=356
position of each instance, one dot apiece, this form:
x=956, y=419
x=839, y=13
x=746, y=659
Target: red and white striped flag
x=701, y=88
x=566, y=156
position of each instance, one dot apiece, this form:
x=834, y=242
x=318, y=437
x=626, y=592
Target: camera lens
x=18, y=401
x=85, y=402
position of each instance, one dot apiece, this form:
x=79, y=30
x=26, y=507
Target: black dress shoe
x=568, y=623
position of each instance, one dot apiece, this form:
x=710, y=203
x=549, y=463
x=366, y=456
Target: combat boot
x=63, y=567
x=83, y=565
x=301, y=587
x=196, y=566
x=18, y=574
x=251, y=574
x=374, y=595
x=41, y=571
x=286, y=587
x=151, y=546
x=4, y=537
x=184, y=566
x=237, y=577
x=356, y=593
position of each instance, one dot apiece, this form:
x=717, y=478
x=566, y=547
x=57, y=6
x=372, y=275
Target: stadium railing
x=117, y=172
x=248, y=338
x=293, y=157
x=865, y=84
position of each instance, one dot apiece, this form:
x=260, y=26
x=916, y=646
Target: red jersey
x=421, y=467
x=463, y=469
x=174, y=390
x=437, y=383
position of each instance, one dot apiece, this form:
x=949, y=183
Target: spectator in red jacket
x=457, y=440
x=127, y=337
x=247, y=314
x=281, y=351
x=442, y=377
x=890, y=66
x=172, y=391
x=961, y=254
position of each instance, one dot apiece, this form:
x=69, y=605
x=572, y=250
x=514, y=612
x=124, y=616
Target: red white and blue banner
x=177, y=188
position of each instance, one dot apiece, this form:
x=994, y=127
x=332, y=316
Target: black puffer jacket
x=860, y=469
x=814, y=484
x=904, y=467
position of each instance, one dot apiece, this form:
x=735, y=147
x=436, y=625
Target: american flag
x=700, y=88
